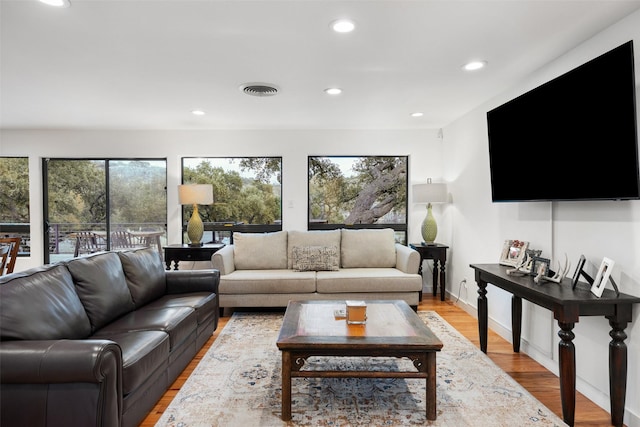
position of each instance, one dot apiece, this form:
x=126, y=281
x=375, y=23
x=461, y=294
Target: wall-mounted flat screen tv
x=572, y=138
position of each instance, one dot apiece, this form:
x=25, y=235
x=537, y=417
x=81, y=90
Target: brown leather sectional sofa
x=96, y=341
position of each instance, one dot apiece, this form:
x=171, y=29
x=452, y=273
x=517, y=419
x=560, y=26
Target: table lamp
x=195, y=194
x=429, y=193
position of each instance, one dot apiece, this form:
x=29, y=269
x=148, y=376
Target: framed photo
x=576, y=274
x=540, y=266
x=529, y=255
x=513, y=252
x=602, y=277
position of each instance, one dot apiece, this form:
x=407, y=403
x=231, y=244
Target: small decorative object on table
x=579, y=272
x=356, y=312
x=513, y=252
x=524, y=268
x=540, y=268
x=602, y=277
x=559, y=274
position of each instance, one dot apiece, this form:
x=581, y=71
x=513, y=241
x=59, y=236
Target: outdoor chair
x=12, y=245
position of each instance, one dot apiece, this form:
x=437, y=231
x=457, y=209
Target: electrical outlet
x=464, y=283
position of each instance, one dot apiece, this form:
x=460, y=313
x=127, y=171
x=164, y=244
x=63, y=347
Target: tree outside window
x=14, y=200
x=358, y=192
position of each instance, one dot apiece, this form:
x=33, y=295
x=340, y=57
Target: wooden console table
x=177, y=253
x=438, y=253
x=567, y=305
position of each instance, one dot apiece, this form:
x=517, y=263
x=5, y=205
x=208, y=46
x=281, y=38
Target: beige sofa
x=270, y=269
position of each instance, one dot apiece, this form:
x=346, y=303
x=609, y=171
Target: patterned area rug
x=238, y=383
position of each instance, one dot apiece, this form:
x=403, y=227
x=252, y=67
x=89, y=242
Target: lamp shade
x=195, y=194
x=430, y=192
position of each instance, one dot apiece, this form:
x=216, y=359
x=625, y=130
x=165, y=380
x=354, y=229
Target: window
x=103, y=204
x=14, y=200
x=247, y=194
x=358, y=192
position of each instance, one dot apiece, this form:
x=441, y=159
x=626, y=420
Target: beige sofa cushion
x=260, y=251
x=311, y=238
x=368, y=248
x=280, y=281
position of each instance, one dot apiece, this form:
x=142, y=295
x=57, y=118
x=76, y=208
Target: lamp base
x=196, y=245
x=429, y=227
x=429, y=244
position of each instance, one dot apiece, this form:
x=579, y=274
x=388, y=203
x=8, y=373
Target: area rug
x=238, y=383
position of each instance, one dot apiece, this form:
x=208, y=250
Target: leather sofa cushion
x=204, y=303
x=102, y=287
x=178, y=322
x=268, y=281
x=326, y=238
x=368, y=248
x=145, y=275
x=47, y=299
x=260, y=251
x=143, y=352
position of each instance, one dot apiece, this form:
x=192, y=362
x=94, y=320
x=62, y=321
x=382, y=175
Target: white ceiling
x=145, y=64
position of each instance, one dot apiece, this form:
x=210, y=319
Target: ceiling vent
x=259, y=89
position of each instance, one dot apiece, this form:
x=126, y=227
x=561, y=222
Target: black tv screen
x=572, y=138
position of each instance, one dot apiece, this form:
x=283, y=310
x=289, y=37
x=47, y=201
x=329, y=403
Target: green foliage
x=376, y=193
x=14, y=197
x=77, y=191
x=237, y=199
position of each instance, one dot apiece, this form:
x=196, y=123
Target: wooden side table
x=438, y=253
x=177, y=253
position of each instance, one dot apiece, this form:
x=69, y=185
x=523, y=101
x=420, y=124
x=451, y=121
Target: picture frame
x=540, y=266
x=529, y=255
x=513, y=252
x=602, y=277
x=578, y=272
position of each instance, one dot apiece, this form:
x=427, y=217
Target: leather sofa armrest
x=223, y=260
x=186, y=281
x=61, y=382
x=61, y=361
x=407, y=259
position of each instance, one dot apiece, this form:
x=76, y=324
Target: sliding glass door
x=91, y=205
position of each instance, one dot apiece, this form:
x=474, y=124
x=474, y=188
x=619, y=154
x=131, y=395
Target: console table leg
x=483, y=313
x=516, y=322
x=617, y=371
x=567, y=353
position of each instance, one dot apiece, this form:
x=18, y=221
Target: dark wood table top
x=391, y=325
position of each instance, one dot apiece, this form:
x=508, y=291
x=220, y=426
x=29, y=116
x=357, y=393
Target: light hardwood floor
x=539, y=381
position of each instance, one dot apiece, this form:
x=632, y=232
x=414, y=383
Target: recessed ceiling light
x=417, y=114
x=333, y=91
x=474, y=65
x=343, y=25
x=198, y=112
x=57, y=3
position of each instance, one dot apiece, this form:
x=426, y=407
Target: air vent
x=259, y=89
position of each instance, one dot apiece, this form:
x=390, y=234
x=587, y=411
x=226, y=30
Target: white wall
x=423, y=147
x=478, y=229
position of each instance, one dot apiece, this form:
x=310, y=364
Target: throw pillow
x=315, y=258
x=311, y=238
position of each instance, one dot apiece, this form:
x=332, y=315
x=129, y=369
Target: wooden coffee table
x=393, y=329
